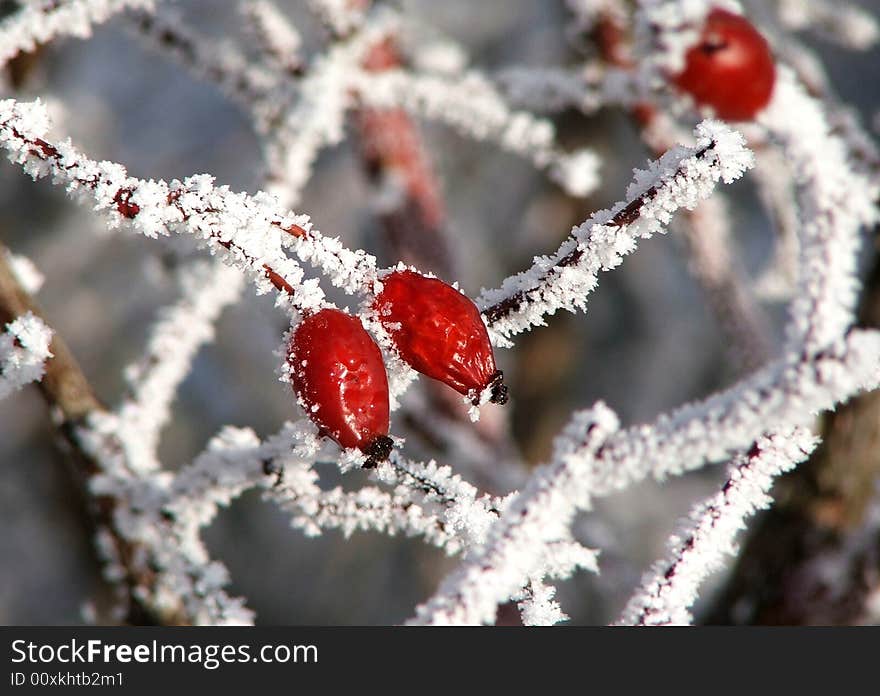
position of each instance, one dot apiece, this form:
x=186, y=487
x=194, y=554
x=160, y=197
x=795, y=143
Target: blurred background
x=648, y=341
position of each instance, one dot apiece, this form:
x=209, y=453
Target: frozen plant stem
x=669, y=590
x=679, y=179
x=37, y=23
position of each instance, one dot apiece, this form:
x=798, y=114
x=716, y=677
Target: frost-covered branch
x=665, y=30
x=775, y=189
x=713, y=262
x=786, y=393
x=706, y=230
x=593, y=457
x=128, y=536
x=671, y=587
x=587, y=89
x=250, y=232
x=834, y=203
x=471, y=105
x=467, y=513
x=515, y=551
x=208, y=287
x=317, y=119
x=236, y=460
x=366, y=509
x=425, y=499
x=295, y=115
x=38, y=22
x=25, y=272
x=341, y=16
x=843, y=119
x=278, y=40
x=679, y=179
x=166, y=573
x=709, y=241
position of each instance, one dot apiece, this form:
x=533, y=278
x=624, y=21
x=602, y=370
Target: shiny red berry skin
x=439, y=332
x=339, y=377
x=730, y=69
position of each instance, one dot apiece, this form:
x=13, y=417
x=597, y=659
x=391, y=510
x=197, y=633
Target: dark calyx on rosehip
x=439, y=332
x=339, y=377
x=730, y=68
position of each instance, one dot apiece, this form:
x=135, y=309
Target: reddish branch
x=47, y=152
x=413, y=220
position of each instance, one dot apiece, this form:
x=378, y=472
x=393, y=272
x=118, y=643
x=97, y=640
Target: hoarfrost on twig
x=679, y=179
x=470, y=104
x=36, y=23
x=208, y=287
x=514, y=545
x=842, y=22
x=671, y=587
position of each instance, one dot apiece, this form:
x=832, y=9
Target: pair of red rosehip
x=337, y=370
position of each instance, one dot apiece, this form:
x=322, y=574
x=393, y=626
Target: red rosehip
x=730, y=69
x=339, y=377
x=439, y=332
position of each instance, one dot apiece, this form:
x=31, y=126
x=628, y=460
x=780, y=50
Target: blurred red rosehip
x=339, y=377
